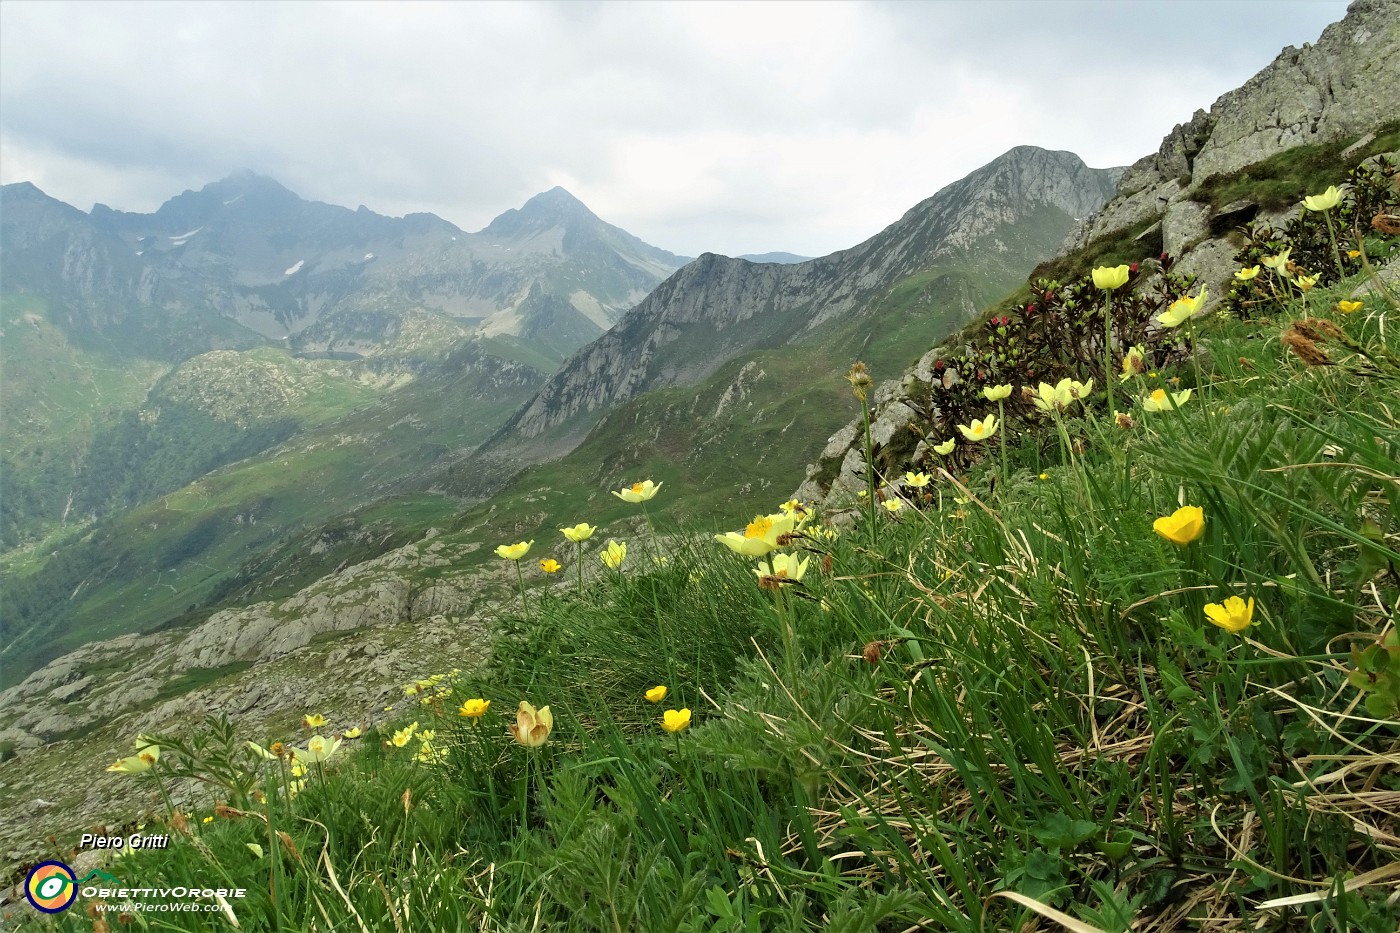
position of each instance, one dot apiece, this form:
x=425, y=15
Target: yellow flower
x=298, y=769
x=1159, y=401
x=1233, y=615
x=656, y=694
x=996, y=393
x=402, y=737
x=614, y=555
x=945, y=448
x=893, y=505
x=474, y=709
x=793, y=507
x=354, y=733
x=430, y=754
x=761, y=535
x=313, y=720
x=1055, y=398
x=513, y=551
x=532, y=727
x=674, y=720
x=783, y=567
x=1305, y=282
x=1244, y=275
x=1110, y=277
x=1278, y=263
x=1045, y=476
x=979, y=430
x=917, y=480
x=319, y=749
x=1348, y=307
x=580, y=532
x=1182, y=526
x=1324, y=201
x=207, y=819
x=143, y=760
x=1353, y=253
x=638, y=492
x=1182, y=309
x=549, y=565
x=1134, y=363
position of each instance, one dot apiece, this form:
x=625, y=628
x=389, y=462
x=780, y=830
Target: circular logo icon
x=51, y=887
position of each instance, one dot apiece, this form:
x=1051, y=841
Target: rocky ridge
x=716, y=308
x=1344, y=85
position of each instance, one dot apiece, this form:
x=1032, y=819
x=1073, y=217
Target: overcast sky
x=727, y=127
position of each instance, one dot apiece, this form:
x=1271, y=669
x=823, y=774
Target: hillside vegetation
x=1119, y=660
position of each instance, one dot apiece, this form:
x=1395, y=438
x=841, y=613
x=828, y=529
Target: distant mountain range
x=244, y=260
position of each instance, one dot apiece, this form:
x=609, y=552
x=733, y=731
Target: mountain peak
x=553, y=208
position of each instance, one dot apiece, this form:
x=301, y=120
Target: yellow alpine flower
x=761, y=535
x=996, y=393
x=1160, y=401
x=1324, y=201
x=144, y=760
x=945, y=448
x=613, y=556
x=1233, y=615
x=1348, y=307
x=979, y=430
x=313, y=720
x=532, y=727
x=513, y=551
x=353, y=733
x=783, y=567
x=474, y=709
x=1134, y=363
x=1278, y=263
x=674, y=720
x=917, y=480
x=550, y=565
x=319, y=748
x=893, y=505
x=1110, y=277
x=1305, y=282
x=1182, y=526
x=1244, y=275
x=656, y=694
x=402, y=737
x=638, y=492
x=1053, y=398
x=580, y=532
x=1182, y=309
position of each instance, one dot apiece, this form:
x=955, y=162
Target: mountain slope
x=985, y=230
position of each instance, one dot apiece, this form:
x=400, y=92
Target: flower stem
x=1336, y=253
x=520, y=575
x=1001, y=419
x=1108, y=350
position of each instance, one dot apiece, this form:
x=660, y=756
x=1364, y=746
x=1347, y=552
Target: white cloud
x=733, y=127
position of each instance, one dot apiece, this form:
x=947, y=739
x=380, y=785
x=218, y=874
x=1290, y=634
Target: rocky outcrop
x=1344, y=85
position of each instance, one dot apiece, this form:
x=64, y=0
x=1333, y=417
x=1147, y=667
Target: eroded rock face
x=1345, y=84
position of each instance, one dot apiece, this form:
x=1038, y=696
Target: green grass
x=987, y=694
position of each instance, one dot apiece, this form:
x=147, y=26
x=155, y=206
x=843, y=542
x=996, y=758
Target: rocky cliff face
x=1345, y=85
x=716, y=308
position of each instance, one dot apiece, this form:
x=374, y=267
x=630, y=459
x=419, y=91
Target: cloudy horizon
x=716, y=127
